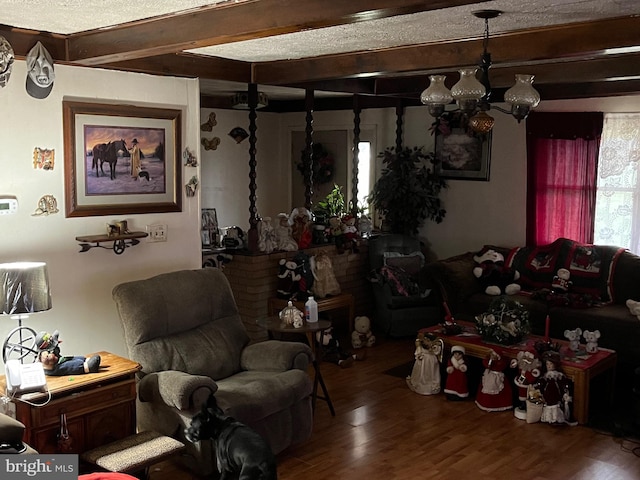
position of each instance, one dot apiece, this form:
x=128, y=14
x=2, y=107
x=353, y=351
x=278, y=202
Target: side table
x=99, y=407
x=334, y=302
x=274, y=325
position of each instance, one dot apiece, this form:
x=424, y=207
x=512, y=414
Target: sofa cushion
x=626, y=278
x=455, y=277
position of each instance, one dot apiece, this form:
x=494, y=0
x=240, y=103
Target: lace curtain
x=617, y=218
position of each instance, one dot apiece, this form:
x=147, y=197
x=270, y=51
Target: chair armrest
x=11, y=430
x=176, y=389
x=276, y=355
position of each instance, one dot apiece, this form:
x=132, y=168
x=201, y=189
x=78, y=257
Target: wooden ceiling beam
x=22, y=40
x=602, y=69
x=586, y=40
x=233, y=22
x=189, y=65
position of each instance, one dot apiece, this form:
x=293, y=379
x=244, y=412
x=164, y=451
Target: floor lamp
x=24, y=289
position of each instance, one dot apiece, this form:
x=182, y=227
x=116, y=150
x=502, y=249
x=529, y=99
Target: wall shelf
x=120, y=242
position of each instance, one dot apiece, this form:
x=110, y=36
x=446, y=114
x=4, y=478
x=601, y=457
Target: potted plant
x=333, y=205
x=408, y=190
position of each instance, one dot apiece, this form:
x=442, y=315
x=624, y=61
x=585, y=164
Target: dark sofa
x=615, y=276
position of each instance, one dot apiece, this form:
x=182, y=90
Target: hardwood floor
x=382, y=430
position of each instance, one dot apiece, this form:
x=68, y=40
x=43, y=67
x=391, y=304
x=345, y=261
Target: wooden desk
x=335, y=302
x=580, y=371
x=275, y=325
x=100, y=407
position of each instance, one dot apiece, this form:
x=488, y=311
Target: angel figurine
x=425, y=375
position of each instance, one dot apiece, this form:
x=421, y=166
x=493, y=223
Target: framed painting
x=121, y=159
x=460, y=152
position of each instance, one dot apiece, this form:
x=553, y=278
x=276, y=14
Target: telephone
x=24, y=377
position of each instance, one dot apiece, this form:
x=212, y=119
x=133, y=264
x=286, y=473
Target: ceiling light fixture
x=473, y=96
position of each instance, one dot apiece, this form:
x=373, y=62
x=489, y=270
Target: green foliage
x=332, y=205
x=408, y=190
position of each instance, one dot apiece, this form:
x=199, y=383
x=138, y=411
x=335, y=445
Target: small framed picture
x=210, y=231
x=461, y=153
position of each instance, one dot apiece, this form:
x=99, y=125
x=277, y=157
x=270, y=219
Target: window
x=364, y=172
x=617, y=217
x=562, y=156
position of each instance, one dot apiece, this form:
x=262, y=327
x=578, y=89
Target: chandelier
x=473, y=96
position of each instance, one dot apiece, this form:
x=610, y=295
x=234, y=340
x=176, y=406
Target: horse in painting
x=107, y=152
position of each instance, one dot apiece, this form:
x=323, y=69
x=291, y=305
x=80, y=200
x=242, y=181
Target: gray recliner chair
x=185, y=330
x=399, y=315
x=11, y=434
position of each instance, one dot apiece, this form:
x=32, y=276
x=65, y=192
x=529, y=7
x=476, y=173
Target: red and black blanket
x=591, y=267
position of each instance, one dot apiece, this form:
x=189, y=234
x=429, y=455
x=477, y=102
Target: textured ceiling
x=458, y=23
x=72, y=16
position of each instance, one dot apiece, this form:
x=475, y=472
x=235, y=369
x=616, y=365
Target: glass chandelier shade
x=522, y=96
x=436, y=96
x=468, y=91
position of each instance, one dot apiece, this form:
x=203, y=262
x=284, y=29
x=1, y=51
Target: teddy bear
x=561, y=283
x=361, y=335
x=336, y=233
x=350, y=232
x=592, y=340
x=288, y=279
x=54, y=364
x=494, y=276
x=634, y=307
x=300, y=221
x=574, y=338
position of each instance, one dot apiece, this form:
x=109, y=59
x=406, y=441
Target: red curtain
x=562, y=160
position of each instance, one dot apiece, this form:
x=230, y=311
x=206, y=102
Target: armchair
x=403, y=297
x=11, y=434
x=185, y=330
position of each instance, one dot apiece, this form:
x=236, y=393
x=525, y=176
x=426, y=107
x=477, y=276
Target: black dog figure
x=143, y=174
x=240, y=451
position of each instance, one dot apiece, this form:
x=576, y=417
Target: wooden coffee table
x=580, y=370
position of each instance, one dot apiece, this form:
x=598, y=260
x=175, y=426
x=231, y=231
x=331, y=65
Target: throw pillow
x=591, y=268
x=399, y=281
x=537, y=265
x=411, y=263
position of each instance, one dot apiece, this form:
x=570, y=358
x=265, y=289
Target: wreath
x=323, y=164
x=506, y=322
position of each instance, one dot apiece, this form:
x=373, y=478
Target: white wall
x=225, y=170
x=81, y=283
x=478, y=213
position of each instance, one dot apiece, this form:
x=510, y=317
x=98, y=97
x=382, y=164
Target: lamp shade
x=24, y=288
x=436, y=96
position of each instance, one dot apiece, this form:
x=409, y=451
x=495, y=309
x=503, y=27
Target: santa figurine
x=494, y=393
x=528, y=366
x=456, y=386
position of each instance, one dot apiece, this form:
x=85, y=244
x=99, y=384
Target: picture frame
x=210, y=232
x=460, y=152
x=104, y=175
